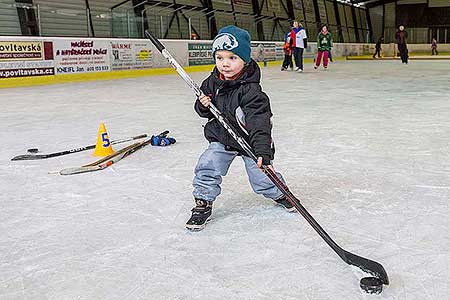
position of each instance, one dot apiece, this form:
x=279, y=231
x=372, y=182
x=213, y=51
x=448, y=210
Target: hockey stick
x=100, y=164
x=49, y=155
x=364, y=264
x=162, y=134
x=113, y=158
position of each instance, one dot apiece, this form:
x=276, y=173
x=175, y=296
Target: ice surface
x=364, y=145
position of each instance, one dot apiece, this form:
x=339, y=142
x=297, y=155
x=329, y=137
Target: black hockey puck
x=371, y=285
x=33, y=150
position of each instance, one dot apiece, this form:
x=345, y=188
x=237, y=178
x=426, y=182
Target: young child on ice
x=287, y=49
x=378, y=47
x=233, y=87
x=324, y=45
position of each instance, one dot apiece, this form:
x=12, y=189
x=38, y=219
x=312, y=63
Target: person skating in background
x=234, y=87
x=299, y=43
x=378, y=47
x=324, y=45
x=287, y=49
x=401, y=36
x=434, y=47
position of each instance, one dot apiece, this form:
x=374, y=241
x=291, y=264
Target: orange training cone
x=103, y=146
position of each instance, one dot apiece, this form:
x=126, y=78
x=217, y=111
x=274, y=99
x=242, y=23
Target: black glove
x=265, y=160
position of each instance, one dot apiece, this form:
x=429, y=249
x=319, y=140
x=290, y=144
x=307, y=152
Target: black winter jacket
x=401, y=36
x=232, y=98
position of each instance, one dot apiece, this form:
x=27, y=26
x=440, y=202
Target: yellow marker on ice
x=103, y=146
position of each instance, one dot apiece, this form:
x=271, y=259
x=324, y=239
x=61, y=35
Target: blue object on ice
x=162, y=141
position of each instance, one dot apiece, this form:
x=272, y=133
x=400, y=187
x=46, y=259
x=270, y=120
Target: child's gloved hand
x=264, y=161
x=204, y=100
x=162, y=140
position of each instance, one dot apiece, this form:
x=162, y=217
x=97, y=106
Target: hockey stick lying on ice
x=48, y=155
x=111, y=159
x=364, y=264
x=103, y=163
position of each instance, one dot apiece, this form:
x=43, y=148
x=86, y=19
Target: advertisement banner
x=310, y=51
x=279, y=53
x=200, y=54
x=367, y=49
x=267, y=51
x=128, y=55
x=26, y=58
x=22, y=72
x=81, y=56
x=21, y=50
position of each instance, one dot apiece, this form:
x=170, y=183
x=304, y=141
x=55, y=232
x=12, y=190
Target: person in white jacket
x=299, y=43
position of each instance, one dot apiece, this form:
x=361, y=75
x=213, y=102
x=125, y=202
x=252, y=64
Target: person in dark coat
x=401, y=36
x=378, y=47
x=234, y=89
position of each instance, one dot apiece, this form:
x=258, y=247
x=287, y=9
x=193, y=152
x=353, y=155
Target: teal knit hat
x=234, y=39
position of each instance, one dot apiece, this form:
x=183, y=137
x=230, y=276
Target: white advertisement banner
x=131, y=55
x=81, y=56
x=264, y=51
x=26, y=58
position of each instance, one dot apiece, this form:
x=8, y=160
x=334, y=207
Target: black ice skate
x=201, y=214
x=286, y=204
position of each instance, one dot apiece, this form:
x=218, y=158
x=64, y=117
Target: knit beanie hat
x=234, y=39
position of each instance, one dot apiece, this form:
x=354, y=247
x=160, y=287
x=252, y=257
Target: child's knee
x=206, y=184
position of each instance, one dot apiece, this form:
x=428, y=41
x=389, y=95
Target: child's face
x=228, y=63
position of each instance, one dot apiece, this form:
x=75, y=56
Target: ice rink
x=364, y=145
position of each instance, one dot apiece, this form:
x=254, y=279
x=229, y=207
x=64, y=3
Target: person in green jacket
x=324, y=45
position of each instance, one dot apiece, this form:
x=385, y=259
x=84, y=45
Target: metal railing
x=122, y=21
x=158, y=17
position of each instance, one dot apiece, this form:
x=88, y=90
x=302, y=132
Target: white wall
x=35, y=56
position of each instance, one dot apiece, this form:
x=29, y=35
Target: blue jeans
x=215, y=162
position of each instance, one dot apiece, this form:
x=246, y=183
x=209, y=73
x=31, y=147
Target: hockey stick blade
x=364, y=264
x=80, y=170
x=367, y=265
x=75, y=150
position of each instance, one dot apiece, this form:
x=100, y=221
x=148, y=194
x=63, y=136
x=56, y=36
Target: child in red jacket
x=287, y=49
